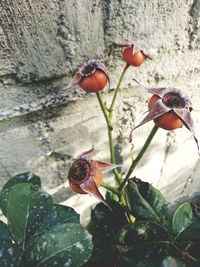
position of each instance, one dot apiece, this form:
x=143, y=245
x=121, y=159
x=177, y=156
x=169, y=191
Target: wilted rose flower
x=91, y=77
x=169, y=109
x=133, y=55
x=85, y=174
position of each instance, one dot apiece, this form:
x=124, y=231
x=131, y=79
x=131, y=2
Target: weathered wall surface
x=42, y=125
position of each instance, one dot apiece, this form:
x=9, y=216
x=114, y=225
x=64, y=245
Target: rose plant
x=132, y=226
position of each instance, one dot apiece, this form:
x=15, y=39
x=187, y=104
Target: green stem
x=108, y=118
x=117, y=89
x=110, y=137
x=110, y=188
x=139, y=156
x=108, y=122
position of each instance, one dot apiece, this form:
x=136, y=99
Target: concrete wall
x=43, y=125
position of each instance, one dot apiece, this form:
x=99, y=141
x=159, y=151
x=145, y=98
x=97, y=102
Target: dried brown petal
x=75, y=80
x=86, y=154
x=90, y=187
x=158, y=110
x=103, y=166
x=185, y=116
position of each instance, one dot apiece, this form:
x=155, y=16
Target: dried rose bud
x=134, y=56
x=169, y=109
x=85, y=174
x=91, y=77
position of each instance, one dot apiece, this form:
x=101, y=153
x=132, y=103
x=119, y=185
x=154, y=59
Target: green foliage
x=156, y=238
x=17, y=179
x=39, y=232
x=27, y=207
x=146, y=202
x=186, y=222
x=64, y=244
x=42, y=233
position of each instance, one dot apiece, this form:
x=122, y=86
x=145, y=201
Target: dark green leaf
x=145, y=202
x=157, y=202
x=5, y=233
x=28, y=204
x=67, y=244
x=103, y=254
x=106, y=223
x=142, y=240
x=58, y=214
x=17, y=179
x=172, y=262
x=186, y=223
x=192, y=232
x=10, y=256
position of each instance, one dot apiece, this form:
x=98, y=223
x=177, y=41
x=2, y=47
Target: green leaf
x=105, y=223
x=58, y=214
x=17, y=179
x=28, y=204
x=4, y=232
x=145, y=201
x=172, y=262
x=110, y=197
x=67, y=244
x=9, y=254
x=142, y=240
x=103, y=254
x=186, y=222
x=167, y=262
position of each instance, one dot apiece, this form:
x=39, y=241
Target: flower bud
x=169, y=109
x=134, y=56
x=91, y=77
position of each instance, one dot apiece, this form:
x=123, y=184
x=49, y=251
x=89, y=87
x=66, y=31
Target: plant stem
x=109, y=128
x=139, y=156
x=108, y=122
x=117, y=89
x=110, y=188
x=108, y=117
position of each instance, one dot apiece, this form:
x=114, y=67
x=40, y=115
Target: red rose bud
x=169, y=109
x=134, y=56
x=85, y=175
x=91, y=77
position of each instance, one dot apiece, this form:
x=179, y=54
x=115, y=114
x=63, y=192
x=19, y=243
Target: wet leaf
x=28, y=204
x=145, y=201
x=67, y=245
x=186, y=222
x=28, y=177
x=58, y=214
x=10, y=256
